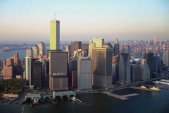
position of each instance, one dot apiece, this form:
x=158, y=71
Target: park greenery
x=15, y=86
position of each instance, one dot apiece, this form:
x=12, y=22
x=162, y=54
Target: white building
x=28, y=69
x=84, y=77
x=35, y=51
x=42, y=48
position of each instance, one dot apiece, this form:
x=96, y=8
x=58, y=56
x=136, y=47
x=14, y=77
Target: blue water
x=145, y=102
x=4, y=55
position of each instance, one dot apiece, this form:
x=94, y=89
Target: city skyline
x=84, y=19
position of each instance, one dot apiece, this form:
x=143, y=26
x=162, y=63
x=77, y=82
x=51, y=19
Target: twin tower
x=54, y=35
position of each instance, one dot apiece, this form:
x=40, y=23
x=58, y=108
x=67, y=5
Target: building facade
x=54, y=35
x=84, y=74
x=58, y=69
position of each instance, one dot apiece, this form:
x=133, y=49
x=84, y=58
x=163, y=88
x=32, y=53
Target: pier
x=122, y=97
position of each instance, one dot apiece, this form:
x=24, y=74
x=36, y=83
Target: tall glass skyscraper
x=54, y=35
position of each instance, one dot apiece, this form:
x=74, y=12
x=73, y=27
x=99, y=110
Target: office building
x=42, y=48
x=115, y=68
x=116, y=48
x=28, y=61
x=75, y=46
x=95, y=43
x=79, y=53
x=54, y=35
x=74, y=79
x=29, y=52
x=84, y=74
x=72, y=74
x=35, y=51
x=146, y=70
x=15, y=57
x=166, y=57
x=67, y=48
x=85, y=47
x=101, y=63
x=155, y=64
x=8, y=72
x=124, y=68
x=58, y=70
x=139, y=70
x=38, y=74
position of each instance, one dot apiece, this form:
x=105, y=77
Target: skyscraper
x=28, y=61
x=58, y=69
x=124, y=68
x=84, y=78
x=166, y=57
x=38, y=73
x=8, y=67
x=75, y=46
x=101, y=56
x=102, y=67
x=35, y=51
x=54, y=35
x=116, y=48
x=16, y=58
x=95, y=43
x=29, y=52
x=139, y=70
x=42, y=48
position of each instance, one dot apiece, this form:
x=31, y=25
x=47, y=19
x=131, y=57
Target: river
x=145, y=102
x=4, y=55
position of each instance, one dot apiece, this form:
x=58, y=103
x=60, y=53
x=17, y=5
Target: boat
x=143, y=87
x=35, y=102
x=155, y=88
x=73, y=99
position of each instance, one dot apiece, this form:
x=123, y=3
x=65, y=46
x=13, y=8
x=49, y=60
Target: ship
x=154, y=88
x=143, y=87
x=35, y=102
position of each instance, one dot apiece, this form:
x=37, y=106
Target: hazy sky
x=82, y=19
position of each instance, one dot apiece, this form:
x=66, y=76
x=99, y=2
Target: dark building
x=116, y=48
x=38, y=73
x=85, y=47
x=75, y=46
x=155, y=64
x=58, y=70
x=72, y=74
x=115, y=68
x=102, y=67
x=74, y=79
x=124, y=68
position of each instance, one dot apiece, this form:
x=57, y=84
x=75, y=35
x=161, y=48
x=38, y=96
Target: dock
x=122, y=97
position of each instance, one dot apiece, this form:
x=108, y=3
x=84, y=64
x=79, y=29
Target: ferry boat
x=35, y=102
x=155, y=88
x=143, y=87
